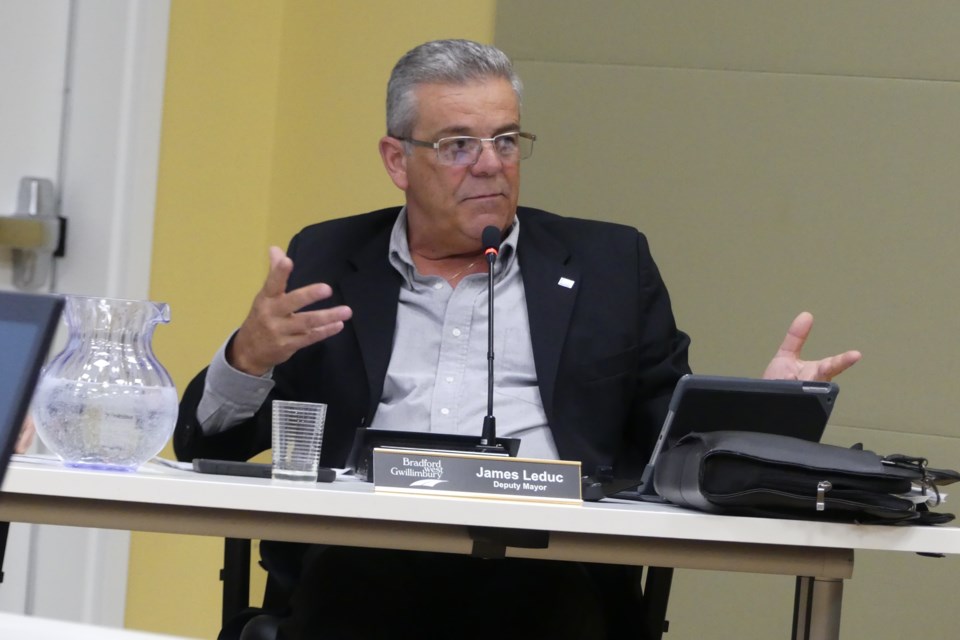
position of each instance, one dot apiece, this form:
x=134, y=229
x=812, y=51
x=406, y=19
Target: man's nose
x=489, y=159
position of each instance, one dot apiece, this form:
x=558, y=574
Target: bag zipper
x=822, y=487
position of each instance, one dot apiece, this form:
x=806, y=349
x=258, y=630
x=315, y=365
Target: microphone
x=366, y=439
x=491, y=249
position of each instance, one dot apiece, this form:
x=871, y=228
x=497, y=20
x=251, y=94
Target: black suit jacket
x=607, y=350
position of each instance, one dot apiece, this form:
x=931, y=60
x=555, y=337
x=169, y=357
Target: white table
x=15, y=627
x=162, y=499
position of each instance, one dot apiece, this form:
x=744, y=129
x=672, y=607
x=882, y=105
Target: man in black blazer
x=375, y=315
x=606, y=349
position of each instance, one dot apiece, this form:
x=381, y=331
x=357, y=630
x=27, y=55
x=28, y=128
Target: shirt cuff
x=230, y=396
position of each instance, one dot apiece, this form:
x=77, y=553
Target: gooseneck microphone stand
x=491, y=249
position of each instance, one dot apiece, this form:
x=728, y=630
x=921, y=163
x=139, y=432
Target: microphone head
x=491, y=240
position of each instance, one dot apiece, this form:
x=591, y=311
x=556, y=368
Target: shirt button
x=439, y=285
x=445, y=411
x=456, y=332
x=449, y=378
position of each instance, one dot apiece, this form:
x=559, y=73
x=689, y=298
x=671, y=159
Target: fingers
x=314, y=334
x=25, y=438
x=264, y=340
x=821, y=370
x=280, y=268
x=797, y=335
x=270, y=335
x=293, y=301
x=311, y=323
x=275, y=286
x=829, y=368
x=787, y=365
x=275, y=328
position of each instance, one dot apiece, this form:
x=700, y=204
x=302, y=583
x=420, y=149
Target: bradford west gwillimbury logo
x=427, y=472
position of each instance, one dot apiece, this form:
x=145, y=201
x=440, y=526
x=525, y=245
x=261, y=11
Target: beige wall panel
x=882, y=38
x=767, y=194
x=940, y=451
x=798, y=154
x=889, y=595
x=722, y=605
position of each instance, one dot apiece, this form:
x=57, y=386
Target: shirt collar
x=399, y=251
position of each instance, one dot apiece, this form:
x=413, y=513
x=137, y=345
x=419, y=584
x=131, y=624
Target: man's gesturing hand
x=275, y=328
x=27, y=431
x=787, y=365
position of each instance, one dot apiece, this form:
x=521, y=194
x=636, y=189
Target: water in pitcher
x=108, y=427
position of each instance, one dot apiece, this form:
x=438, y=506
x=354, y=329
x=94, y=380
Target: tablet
x=796, y=408
x=28, y=323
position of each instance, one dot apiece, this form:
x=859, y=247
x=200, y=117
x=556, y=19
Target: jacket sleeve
x=664, y=358
x=239, y=442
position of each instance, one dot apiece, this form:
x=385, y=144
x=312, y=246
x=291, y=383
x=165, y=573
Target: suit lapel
x=372, y=292
x=547, y=267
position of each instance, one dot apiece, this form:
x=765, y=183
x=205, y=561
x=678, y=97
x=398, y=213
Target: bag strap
x=931, y=479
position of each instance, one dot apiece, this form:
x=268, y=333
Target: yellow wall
x=337, y=57
x=272, y=113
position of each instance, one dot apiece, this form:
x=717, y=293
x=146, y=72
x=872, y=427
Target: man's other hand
x=25, y=439
x=275, y=328
x=787, y=365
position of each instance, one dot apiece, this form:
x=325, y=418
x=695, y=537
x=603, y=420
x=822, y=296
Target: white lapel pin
x=566, y=282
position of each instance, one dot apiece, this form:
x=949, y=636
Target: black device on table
x=250, y=469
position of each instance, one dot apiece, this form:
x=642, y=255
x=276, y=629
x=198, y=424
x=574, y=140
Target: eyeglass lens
x=461, y=150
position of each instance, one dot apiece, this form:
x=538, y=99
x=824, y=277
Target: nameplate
x=475, y=475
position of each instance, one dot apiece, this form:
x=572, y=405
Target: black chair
x=635, y=600
x=239, y=620
x=632, y=610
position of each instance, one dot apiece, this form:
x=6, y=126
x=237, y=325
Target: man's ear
x=394, y=158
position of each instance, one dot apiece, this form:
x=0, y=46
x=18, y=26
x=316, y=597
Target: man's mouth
x=483, y=196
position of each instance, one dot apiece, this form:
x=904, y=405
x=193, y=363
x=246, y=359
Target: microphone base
x=366, y=440
x=495, y=449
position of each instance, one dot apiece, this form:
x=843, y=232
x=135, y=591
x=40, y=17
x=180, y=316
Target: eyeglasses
x=462, y=151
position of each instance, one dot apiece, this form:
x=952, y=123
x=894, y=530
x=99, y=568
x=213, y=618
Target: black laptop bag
x=762, y=474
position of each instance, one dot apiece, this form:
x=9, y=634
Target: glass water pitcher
x=105, y=401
